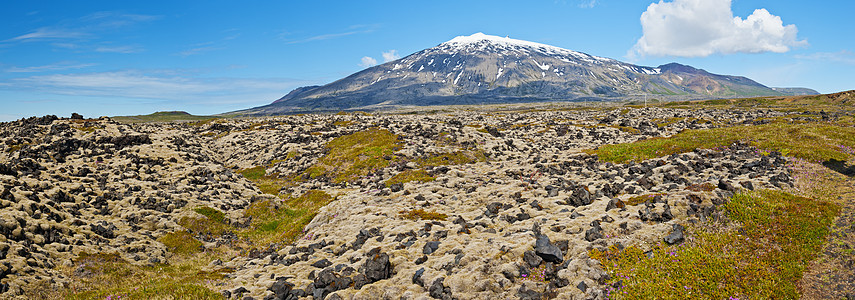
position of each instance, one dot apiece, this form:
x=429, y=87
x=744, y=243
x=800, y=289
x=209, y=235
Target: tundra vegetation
x=766, y=243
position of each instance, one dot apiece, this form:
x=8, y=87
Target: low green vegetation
x=108, y=276
x=283, y=221
x=421, y=214
x=268, y=184
x=211, y=213
x=451, y=158
x=180, y=242
x=410, y=176
x=812, y=141
x=353, y=156
x=760, y=253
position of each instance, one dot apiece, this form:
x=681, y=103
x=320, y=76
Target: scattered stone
x=676, y=235
x=546, y=250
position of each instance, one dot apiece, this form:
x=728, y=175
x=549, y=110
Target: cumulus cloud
x=390, y=55
x=694, y=28
x=368, y=61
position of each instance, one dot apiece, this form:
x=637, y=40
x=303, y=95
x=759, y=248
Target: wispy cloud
x=47, y=33
x=82, y=30
x=65, y=65
x=198, y=50
x=156, y=85
x=119, y=49
x=843, y=56
x=352, y=30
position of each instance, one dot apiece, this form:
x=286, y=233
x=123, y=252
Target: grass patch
x=410, y=176
x=760, y=254
x=814, y=142
x=266, y=184
x=356, y=155
x=420, y=214
x=452, y=158
x=108, y=276
x=282, y=222
x=212, y=213
x=180, y=242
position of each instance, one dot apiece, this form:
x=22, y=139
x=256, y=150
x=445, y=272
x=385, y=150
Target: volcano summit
x=485, y=69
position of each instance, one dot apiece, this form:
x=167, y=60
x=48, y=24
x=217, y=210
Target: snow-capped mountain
x=482, y=68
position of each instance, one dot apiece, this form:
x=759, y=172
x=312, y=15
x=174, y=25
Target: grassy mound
x=812, y=141
x=760, y=254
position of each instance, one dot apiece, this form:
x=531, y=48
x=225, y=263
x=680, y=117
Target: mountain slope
x=488, y=69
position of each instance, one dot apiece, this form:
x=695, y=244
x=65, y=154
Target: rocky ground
x=518, y=220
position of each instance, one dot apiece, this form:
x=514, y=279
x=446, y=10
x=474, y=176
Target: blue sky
x=205, y=57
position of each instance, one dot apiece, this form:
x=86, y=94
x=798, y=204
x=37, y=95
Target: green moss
x=107, y=275
x=642, y=198
x=452, y=158
x=180, y=242
x=353, y=156
x=410, y=176
x=283, y=221
x=271, y=184
x=420, y=214
x=212, y=213
x=815, y=142
x=254, y=173
x=760, y=254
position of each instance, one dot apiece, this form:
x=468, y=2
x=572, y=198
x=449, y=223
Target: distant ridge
x=484, y=69
x=162, y=116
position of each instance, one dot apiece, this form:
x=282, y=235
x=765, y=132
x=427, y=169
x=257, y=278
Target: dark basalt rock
x=676, y=235
x=417, y=277
x=581, y=196
x=377, y=266
x=546, y=250
x=430, y=247
x=281, y=289
x=532, y=259
x=438, y=290
x=595, y=232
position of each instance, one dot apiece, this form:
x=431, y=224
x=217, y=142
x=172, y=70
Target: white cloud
x=156, y=85
x=694, y=28
x=843, y=56
x=119, y=49
x=46, y=33
x=367, y=61
x=65, y=65
x=587, y=3
x=390, y=55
